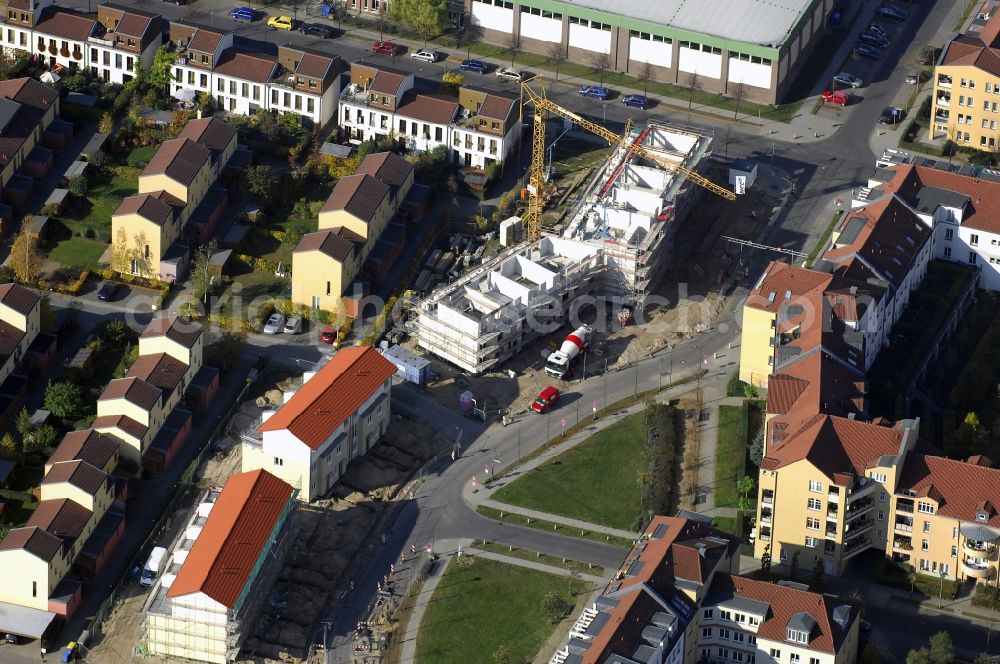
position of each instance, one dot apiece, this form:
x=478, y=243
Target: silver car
x=275, y=324
x=848, y=80
x=425, y=54
x=508, y=74
x=294, y=325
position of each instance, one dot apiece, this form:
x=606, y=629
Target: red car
x=839, y=97
x=329, y=335
x=546, y=400
x=386, y=47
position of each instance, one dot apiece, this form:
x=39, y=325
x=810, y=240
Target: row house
x=298, y=80
x=124, y=37
x=28, y=109
x=677, y=599
x=479, y=128
x=337, y=414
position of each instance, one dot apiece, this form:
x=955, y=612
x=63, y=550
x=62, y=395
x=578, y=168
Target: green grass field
x=140, y=156
x=478, y=607
x=730, y=454
x=596, y=481
x=101, y=202
x=77, y=252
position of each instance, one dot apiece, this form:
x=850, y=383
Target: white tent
x=185, y=94
x=49, y=77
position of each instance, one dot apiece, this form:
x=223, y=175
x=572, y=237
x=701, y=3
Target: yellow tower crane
x=536, y=175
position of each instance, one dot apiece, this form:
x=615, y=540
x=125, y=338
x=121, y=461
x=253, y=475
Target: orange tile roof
x=62, y=517
x=34, y=540
x=17, y=297
x=959, y=487
x=235, y=534
x=816, y=383
x=329, y=397
x=87, y=445
x=179, y=330
x=983, y=210
x=781, y=280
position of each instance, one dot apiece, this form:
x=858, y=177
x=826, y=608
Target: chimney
x=198, y=114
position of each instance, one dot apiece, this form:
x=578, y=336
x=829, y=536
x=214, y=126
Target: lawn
x=607, y=464
x=481, y=604
x=18, y=507
x=141, y=155
x=730, y=454
x=77, y=252
x=102, y=200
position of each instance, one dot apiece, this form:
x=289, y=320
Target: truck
x=558, y=363
x=153, y=566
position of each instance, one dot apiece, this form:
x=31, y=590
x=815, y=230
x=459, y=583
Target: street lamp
x=941, y=591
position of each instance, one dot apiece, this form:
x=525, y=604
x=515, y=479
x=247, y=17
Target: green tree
x=428, y=17
x=793, y=569
x=201, y=278
x=757, y=449
x=921, y=656
x=983, y=658
x=750, y=391
x=262, y=183
x=43, y=437
x=9, y=447
x=765, y=559
x=554, y=605
x=160, y=75
x=942, y=650
x=25, y=256
x=64, y=399
x=744, y=487
x=79, y=185
x=23, y=424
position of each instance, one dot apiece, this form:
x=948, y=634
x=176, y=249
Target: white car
x=275, y=324
x=425, y=54
x=508, y=74
x=846, y=80
x=294, y=325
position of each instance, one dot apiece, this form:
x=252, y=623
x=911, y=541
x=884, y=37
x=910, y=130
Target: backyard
x=480, y=605
x=18, y=503
x=737, y=427
x=91, y=216
x=607, y=464
x=77, y=252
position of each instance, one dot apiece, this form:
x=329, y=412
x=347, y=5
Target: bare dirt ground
x=329, y=534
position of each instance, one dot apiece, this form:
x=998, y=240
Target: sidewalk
x=706, y=469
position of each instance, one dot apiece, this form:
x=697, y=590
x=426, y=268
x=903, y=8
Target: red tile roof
x=784, y=603
x=134, y=390
x=180, y=331
x=332, y=395
x=783, y=283
x=237, y=531
x=34, y=540
x=205, y=40
x=213, y=133
x=62, y=517
x=154, y=206
x=360, y=195
x=388, y=167
x=87, y=445
x=17, y=297
x=160, y=370
x=78, y=473
x=327, y=242
x=497, y=107
x=983, y=209
x=180, y=159
x=387, y=82
x=126, y=424
x=35, y=99
x=60, y=22
x=428, y=108
x=816, y=383
x=246, y=66
x=959, y=487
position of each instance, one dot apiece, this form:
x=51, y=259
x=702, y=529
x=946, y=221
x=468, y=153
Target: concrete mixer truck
x=559, y=362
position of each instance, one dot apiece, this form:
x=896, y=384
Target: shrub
x=736, y=387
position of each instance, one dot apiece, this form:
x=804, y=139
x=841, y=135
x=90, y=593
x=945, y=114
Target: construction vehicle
x=536, y=177
x=558, y=363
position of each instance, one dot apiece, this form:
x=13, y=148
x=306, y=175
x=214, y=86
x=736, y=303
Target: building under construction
x=615, y=245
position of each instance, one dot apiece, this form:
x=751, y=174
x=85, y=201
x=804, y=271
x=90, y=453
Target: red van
x=546, y=401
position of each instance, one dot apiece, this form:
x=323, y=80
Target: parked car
x=546, y=400
x=508, y=74
x=477, y=66
x=275, y=324
x=425, y=54
x=329, y=334
x=891, y=115
x=280, y=22
x=878, y=29
x=108, y=291
x=384, y=47
x=873, y=39
x=293, y=325
x=317, y=30
x=893, y=12
x=928, y=56
x=635, y=101
x=595, y=91
x=838, y=97
x=866, y=51
x=912, y=77
x=11, y=638
x=848, y=80
x=243, y=14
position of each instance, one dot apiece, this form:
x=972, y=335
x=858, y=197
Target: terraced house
x=151, y=230
x=298, y=80
x=480, y=128
x=27, y=110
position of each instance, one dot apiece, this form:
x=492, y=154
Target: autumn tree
x=694, y=84
x=159, y=75
x=602, y=63
x=9, y=447
x=107, y=124
x=25, y=256
x=557, y=56
x=645, y=73
x=428, y=17
x=201, y=278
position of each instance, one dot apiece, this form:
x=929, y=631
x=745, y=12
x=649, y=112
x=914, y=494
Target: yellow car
x=280, y=22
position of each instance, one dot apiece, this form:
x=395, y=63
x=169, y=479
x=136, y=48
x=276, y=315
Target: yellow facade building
x=29, y=107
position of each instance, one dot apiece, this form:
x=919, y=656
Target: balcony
x=980, y=549
x=858, y=527
x=767, y=497
x=941, y=117
x=904, y=527
x=856, y=546
x=944, y=81
x=766, y=515
x=902, y=544
x=977, y=570
x=833, y=497
x=832, y=513
x=829, y=548
x=831, y=530
x=943, y=100
x=906, y=508
x=765, y=533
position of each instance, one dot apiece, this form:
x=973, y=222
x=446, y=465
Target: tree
x=793, y=569
x=64, y=399
x=694, y=83
x=513, y=46
x=428, y=17
x=23, y=424
x=757, y=449
x=79, y=185
x=338, y=12
x=602, y=63
x=107, y=124
x=750, y=391
x=160, y=75
x=942, y=650
x=645, y=73
x=131, y=258
x=870, y=655
x=451, y=81
x=227, y=350
x=9, y=448
x=262, y=183
x=470, y=34
x=501, y=655
x=744, y=487
x=201, y=278
x=765, y=559
x=740, y=93
x=25, y=256
x=554, y=605
x=557, y=55
x=921, y=656
x=43, y=437
x=817, y=579
x=983, y=658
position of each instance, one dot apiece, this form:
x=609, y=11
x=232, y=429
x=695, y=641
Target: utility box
x=409, y=366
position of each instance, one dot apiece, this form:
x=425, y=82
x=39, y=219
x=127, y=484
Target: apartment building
x=27, y=110
x=355, y=217
x=298, y=80
x=758, y=45
x=123, y=37
x=337, y=414
x=965, y=105
x=479, y=128
x=220, y=569
x=677, y=599
x=489, y=314
x=148, y=228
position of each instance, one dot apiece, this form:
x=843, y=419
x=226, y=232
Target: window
x=707, y=615
x=972, y=258
x=949, y=233
x=954, y=550
x=881, y=497
x=754, y=621
x=310, y=105
x=812, y=542
x=794, y=658
x=812, y=523
x=814, y=660
x=878, y=477
x=815, y=486
x=925, y=565
x=798, y=637
x=724, y=634
x=927, y=526
x=814, y=504
x=706, y=632
x=925, y=545
x=974, y=240
x=964, y=83
x=926, y=508
x=278, y=461
x=775, y=653
x=947, y=252
x=954, y=533
x=972, y=85
x=725, y=615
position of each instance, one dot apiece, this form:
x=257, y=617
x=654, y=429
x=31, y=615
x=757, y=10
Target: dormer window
x=982, y=515
x=926, y=508
x=797, y=636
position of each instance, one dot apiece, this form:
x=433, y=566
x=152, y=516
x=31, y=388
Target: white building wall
x=284, y=445
x=749, y=73
x=700, y=62
x=286, y=100
x=227, y=93
x=653, y=52
x=589, y=39
x=541, y=28
x=492, y=17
